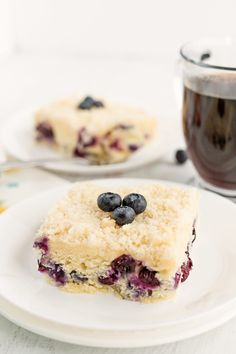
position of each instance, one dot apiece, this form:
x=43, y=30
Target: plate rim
x=59, y=335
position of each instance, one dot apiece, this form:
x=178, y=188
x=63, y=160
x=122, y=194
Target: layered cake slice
x=132, y=241
x=99, y=131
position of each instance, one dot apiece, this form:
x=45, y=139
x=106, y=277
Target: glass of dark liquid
x=209, y=111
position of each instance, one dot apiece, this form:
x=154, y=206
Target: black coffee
x=209, y=122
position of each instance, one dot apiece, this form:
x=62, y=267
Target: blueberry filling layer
x=89, y=145
x=110, y=141
x=128, y=276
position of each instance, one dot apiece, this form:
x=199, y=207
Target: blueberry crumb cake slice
x=133, y=242
x=98, y=131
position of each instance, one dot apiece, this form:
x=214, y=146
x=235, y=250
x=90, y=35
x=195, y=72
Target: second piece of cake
x=99, y=131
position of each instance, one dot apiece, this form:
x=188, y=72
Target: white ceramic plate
x=115, y=339
x=17, y=139
x=207, y=299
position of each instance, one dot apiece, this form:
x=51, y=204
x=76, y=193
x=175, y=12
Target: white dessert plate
x=207, y=299
x=17, y=139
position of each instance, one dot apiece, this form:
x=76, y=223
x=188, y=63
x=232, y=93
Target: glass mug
x=209, y=111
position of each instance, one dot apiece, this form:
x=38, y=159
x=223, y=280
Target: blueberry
x=79, y=152
x=42, y=244
x=109, y=201
x=123, y=215
x=148, y=277
x=205, y=56
x=181, y=156
x=45, y=131
x=54, y=270
x=116, y=145
x=108, y=279
x=135, y=201
x=124, y=264
x=57, y=273
x=78, y=277
x=98, y=104
x=88, y=103
x=133, y=147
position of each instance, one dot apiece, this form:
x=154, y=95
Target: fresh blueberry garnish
x=148, y=277
x=135, y=201
x=124, y=264
x=109, y=201
x=88, y=103
x=181, y=156
x=98, y=104
x=123, y=215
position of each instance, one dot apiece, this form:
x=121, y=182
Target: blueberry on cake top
x=94, y=129
x=83, y=248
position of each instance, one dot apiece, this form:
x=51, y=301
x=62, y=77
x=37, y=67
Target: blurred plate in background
x=17, y=139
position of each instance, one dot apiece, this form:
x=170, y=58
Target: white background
x=116, y=27
x=121, y=48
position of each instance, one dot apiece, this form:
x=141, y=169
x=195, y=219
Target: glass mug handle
x=177, y=84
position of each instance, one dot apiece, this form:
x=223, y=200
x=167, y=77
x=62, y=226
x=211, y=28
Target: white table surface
x=26, y=80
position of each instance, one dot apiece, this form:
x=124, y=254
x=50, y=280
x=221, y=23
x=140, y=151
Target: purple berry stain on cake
x=120, y=267
x=133, y=147
x=177, y=279
x=124, y=264
x=78, y=277
x=148, y=278
x=42, y=244
x=184, y=272
x=140, y=280
x=185, y=269
x=123, y=127
x=54, y=271
x=116, y=145
x=84, y=141
x=45, y=131
x=109, y=278
x=79, y=152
